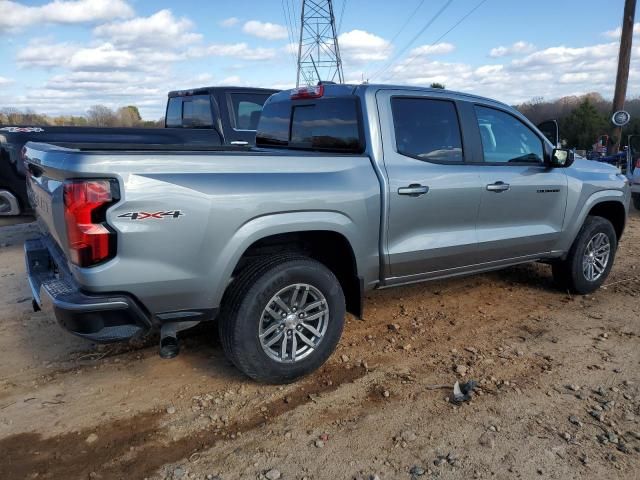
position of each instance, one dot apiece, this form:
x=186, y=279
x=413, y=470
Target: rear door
x=434, y=190
x=523, y=201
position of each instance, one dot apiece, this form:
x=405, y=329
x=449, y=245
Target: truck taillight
x=638, y=163
x=85, y=205
x=316, y=91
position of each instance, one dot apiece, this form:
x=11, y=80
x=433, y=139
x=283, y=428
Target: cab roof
x=213, y=89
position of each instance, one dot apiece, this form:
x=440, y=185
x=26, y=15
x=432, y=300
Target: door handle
x=498, y=187
x=413, y=190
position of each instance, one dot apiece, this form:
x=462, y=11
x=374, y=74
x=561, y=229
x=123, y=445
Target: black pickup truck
x=203, y=117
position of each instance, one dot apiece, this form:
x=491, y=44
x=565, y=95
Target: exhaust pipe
x=8, y=203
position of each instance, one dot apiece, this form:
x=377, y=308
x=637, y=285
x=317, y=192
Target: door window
x=427, y=129
x=505, y=139
x=246, y=108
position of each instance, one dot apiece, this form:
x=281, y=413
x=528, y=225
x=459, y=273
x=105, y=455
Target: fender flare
x=279, y=223
x=593, y=200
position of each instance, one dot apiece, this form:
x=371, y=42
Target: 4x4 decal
x=148, y=215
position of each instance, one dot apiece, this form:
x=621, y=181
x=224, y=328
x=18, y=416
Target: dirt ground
x=559, y=392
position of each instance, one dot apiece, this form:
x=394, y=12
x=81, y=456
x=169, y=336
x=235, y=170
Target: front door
x=523, y=201
x=433, y=194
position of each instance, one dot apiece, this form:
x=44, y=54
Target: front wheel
x=282, y=318
x=590, y=258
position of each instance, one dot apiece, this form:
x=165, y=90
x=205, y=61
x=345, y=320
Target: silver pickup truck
x=350, y=188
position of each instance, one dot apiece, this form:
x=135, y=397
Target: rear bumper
x=102, y=318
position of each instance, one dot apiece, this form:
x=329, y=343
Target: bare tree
x=101, y=116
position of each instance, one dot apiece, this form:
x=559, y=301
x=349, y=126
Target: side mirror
x=550, y=130
x=561, y=158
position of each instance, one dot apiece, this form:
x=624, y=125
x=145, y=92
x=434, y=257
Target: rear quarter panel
x=226, y=202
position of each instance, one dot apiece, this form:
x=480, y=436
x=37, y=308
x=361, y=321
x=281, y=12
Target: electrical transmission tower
x=318, y=52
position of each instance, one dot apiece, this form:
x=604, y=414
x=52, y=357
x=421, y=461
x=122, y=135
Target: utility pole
x=318, y=51
x=624, y=59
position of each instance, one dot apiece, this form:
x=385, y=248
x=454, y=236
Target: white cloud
x=574, y=77
x=16, y=16
x=44, y=53
x=568, y=55
x=5, y=81
x=231, y=80
x=100, y=57
x=160, y=29
x=615, y=33
x=514, y=49
x=291, y=48
x=550, y=73
x=104, y=57
x=237, y=50
x=229, y=22
x=437, y=49
x=269, y=31
x=359, y=46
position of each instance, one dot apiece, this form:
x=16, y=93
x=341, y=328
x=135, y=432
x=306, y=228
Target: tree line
x=96, y=116
x=583, y=119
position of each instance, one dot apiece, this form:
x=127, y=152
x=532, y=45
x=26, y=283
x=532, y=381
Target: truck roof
x=331, y=89
x=212, y=89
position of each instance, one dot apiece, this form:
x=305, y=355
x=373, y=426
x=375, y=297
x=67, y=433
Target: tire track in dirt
x=130, y=448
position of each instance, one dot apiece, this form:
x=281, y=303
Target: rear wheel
x=282, y=318
x=590, y=258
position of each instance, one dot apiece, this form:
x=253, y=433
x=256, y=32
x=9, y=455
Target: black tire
x=245, y=301
x=568, y=274
x=636, y=201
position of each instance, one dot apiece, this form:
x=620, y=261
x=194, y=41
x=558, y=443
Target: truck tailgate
x=42, y=189
x=45, y=192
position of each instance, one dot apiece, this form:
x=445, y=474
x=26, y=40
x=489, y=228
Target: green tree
x=437, y=85
x=583, y=126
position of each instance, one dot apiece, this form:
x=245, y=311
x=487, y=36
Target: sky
x=62, y=56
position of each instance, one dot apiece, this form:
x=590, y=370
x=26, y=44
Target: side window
x=427, y=129
x=506, y=139
x=196, y=111
x=246, y=108
x=174, y=112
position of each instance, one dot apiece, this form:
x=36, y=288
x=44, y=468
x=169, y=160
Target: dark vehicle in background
x=204, y=117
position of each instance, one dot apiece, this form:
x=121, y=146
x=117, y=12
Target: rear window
x=196, y=111
x=326, y=125
x=189, y=112
x=174, y=112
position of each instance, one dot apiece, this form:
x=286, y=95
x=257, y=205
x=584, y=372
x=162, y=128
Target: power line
x=413, y=39
x=290, y=33
x=462, y=19
x=409, y=18
x=294, y=18
x=344, y=4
